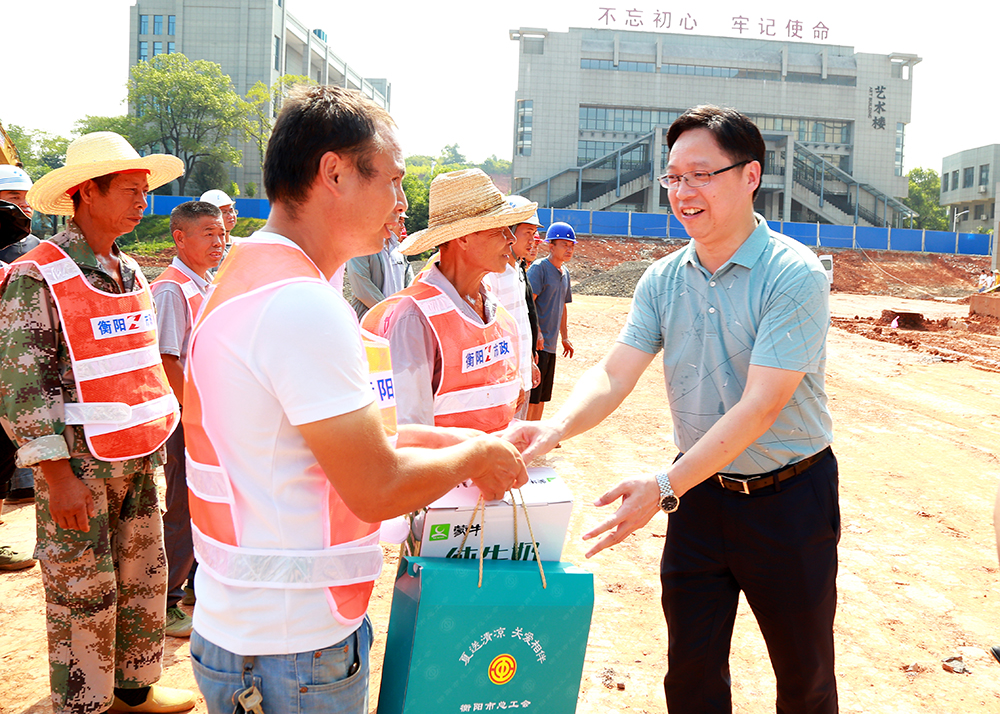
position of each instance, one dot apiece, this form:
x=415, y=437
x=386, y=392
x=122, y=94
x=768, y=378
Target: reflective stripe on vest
x=126, y=407
x=480, y=382
x=192, y=295
x=353, y=560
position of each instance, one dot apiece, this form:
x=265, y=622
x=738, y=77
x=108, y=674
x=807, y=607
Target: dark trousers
x=177, y=520
x=780, y=548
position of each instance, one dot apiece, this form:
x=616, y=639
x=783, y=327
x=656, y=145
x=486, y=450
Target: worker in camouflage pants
x=84, y=390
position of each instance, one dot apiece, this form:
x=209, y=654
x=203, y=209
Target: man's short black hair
x=735, y=134
x=186, y=213
x=313, y=121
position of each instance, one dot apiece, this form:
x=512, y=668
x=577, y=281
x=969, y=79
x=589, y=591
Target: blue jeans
x=333, y=680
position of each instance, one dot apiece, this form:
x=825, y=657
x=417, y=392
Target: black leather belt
x=747, y=484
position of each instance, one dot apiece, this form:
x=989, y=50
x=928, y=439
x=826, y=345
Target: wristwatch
x=668, y=501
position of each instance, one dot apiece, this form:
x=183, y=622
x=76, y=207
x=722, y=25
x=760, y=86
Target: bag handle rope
x=481, y=510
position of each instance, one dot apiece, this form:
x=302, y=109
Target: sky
x=453, y=67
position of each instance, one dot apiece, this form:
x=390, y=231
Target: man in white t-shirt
x=289, y=421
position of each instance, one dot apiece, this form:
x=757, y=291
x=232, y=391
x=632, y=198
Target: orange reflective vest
x=192, y=295
x=352, y=562
x=480, y=382
x=126, y=406
x=4, y=269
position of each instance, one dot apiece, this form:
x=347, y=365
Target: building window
x=533, y=45
x=157, y=48
x=968, y=176
x=143, y=51
x=157, y=24
x=277, y=53
x=944, y=182
x=171, y=48
x=984, y=175
x=900, y=132
x=143, y=24
x=954, y=180
x=524, y=117
x=979, y=211
x=171, y=24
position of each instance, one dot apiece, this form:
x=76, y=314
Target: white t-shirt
x=509, y=288
x=266, y=364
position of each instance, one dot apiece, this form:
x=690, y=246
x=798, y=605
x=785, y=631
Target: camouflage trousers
x=105, y=592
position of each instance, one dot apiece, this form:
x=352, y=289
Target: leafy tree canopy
x=188, y=109
x=262, y=105
x=924, y=196
x=39, y=151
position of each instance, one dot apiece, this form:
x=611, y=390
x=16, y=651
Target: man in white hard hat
x=514, y=292
x=14, y=185
x=221, y=200
x=90, y=406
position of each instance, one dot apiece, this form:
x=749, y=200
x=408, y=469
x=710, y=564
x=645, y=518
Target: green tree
x=263, y=103
x=39, y=151
x=124, y=125
x=187, y=109
x=451, y=155
x=493, y=165
x=923, y=198
x=417, y=197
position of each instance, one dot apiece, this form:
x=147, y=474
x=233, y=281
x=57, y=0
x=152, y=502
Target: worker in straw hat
x=90, y=407
x=454, y=347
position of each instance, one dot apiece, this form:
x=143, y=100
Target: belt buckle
x=723, y=479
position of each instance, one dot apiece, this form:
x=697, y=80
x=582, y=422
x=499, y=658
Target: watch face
x=669, y=504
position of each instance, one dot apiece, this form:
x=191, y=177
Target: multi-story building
x=968, y=187
x=593, y=106
x=253, y=41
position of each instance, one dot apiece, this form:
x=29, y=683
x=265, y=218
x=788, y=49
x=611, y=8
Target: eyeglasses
x=694, y=179
x=229, y=209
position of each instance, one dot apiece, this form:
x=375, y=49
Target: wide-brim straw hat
x=93, y=155
x=464, y=202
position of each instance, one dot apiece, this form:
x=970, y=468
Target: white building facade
x=593, y=106
x=968, y=187
x=253, y=41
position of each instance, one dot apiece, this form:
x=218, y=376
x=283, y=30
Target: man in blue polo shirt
x=741, y=315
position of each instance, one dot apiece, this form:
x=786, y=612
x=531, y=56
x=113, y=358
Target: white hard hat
x=217, y=198
x=13, y=178
x=521, y=202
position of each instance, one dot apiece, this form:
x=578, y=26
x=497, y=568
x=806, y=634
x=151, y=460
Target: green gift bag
x=455, y=647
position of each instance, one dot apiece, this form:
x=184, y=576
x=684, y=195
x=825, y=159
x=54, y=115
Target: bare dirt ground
x=917, y=419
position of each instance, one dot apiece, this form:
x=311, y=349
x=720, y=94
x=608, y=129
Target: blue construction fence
x=247, y=207
x=665, y=225
x=818, y=235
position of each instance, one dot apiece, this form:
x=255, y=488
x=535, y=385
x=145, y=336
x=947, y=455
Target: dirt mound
x=916, y=275
x=597, y=261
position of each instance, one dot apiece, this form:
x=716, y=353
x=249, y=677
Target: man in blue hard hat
x=550, y=287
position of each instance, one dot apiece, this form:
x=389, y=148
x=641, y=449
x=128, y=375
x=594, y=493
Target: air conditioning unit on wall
x=982, y=189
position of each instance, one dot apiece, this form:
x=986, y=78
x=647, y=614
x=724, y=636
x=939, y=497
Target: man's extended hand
x=568, y=350
x=532, y=438
x=507, y=470
x=640, y=502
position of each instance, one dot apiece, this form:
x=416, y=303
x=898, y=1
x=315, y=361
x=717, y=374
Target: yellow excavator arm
x=8, y=152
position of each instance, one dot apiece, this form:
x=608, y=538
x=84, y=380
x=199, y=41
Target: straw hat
x=93, y=155
x=464, y=202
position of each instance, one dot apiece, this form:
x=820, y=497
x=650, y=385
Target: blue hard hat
x=560, y=231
